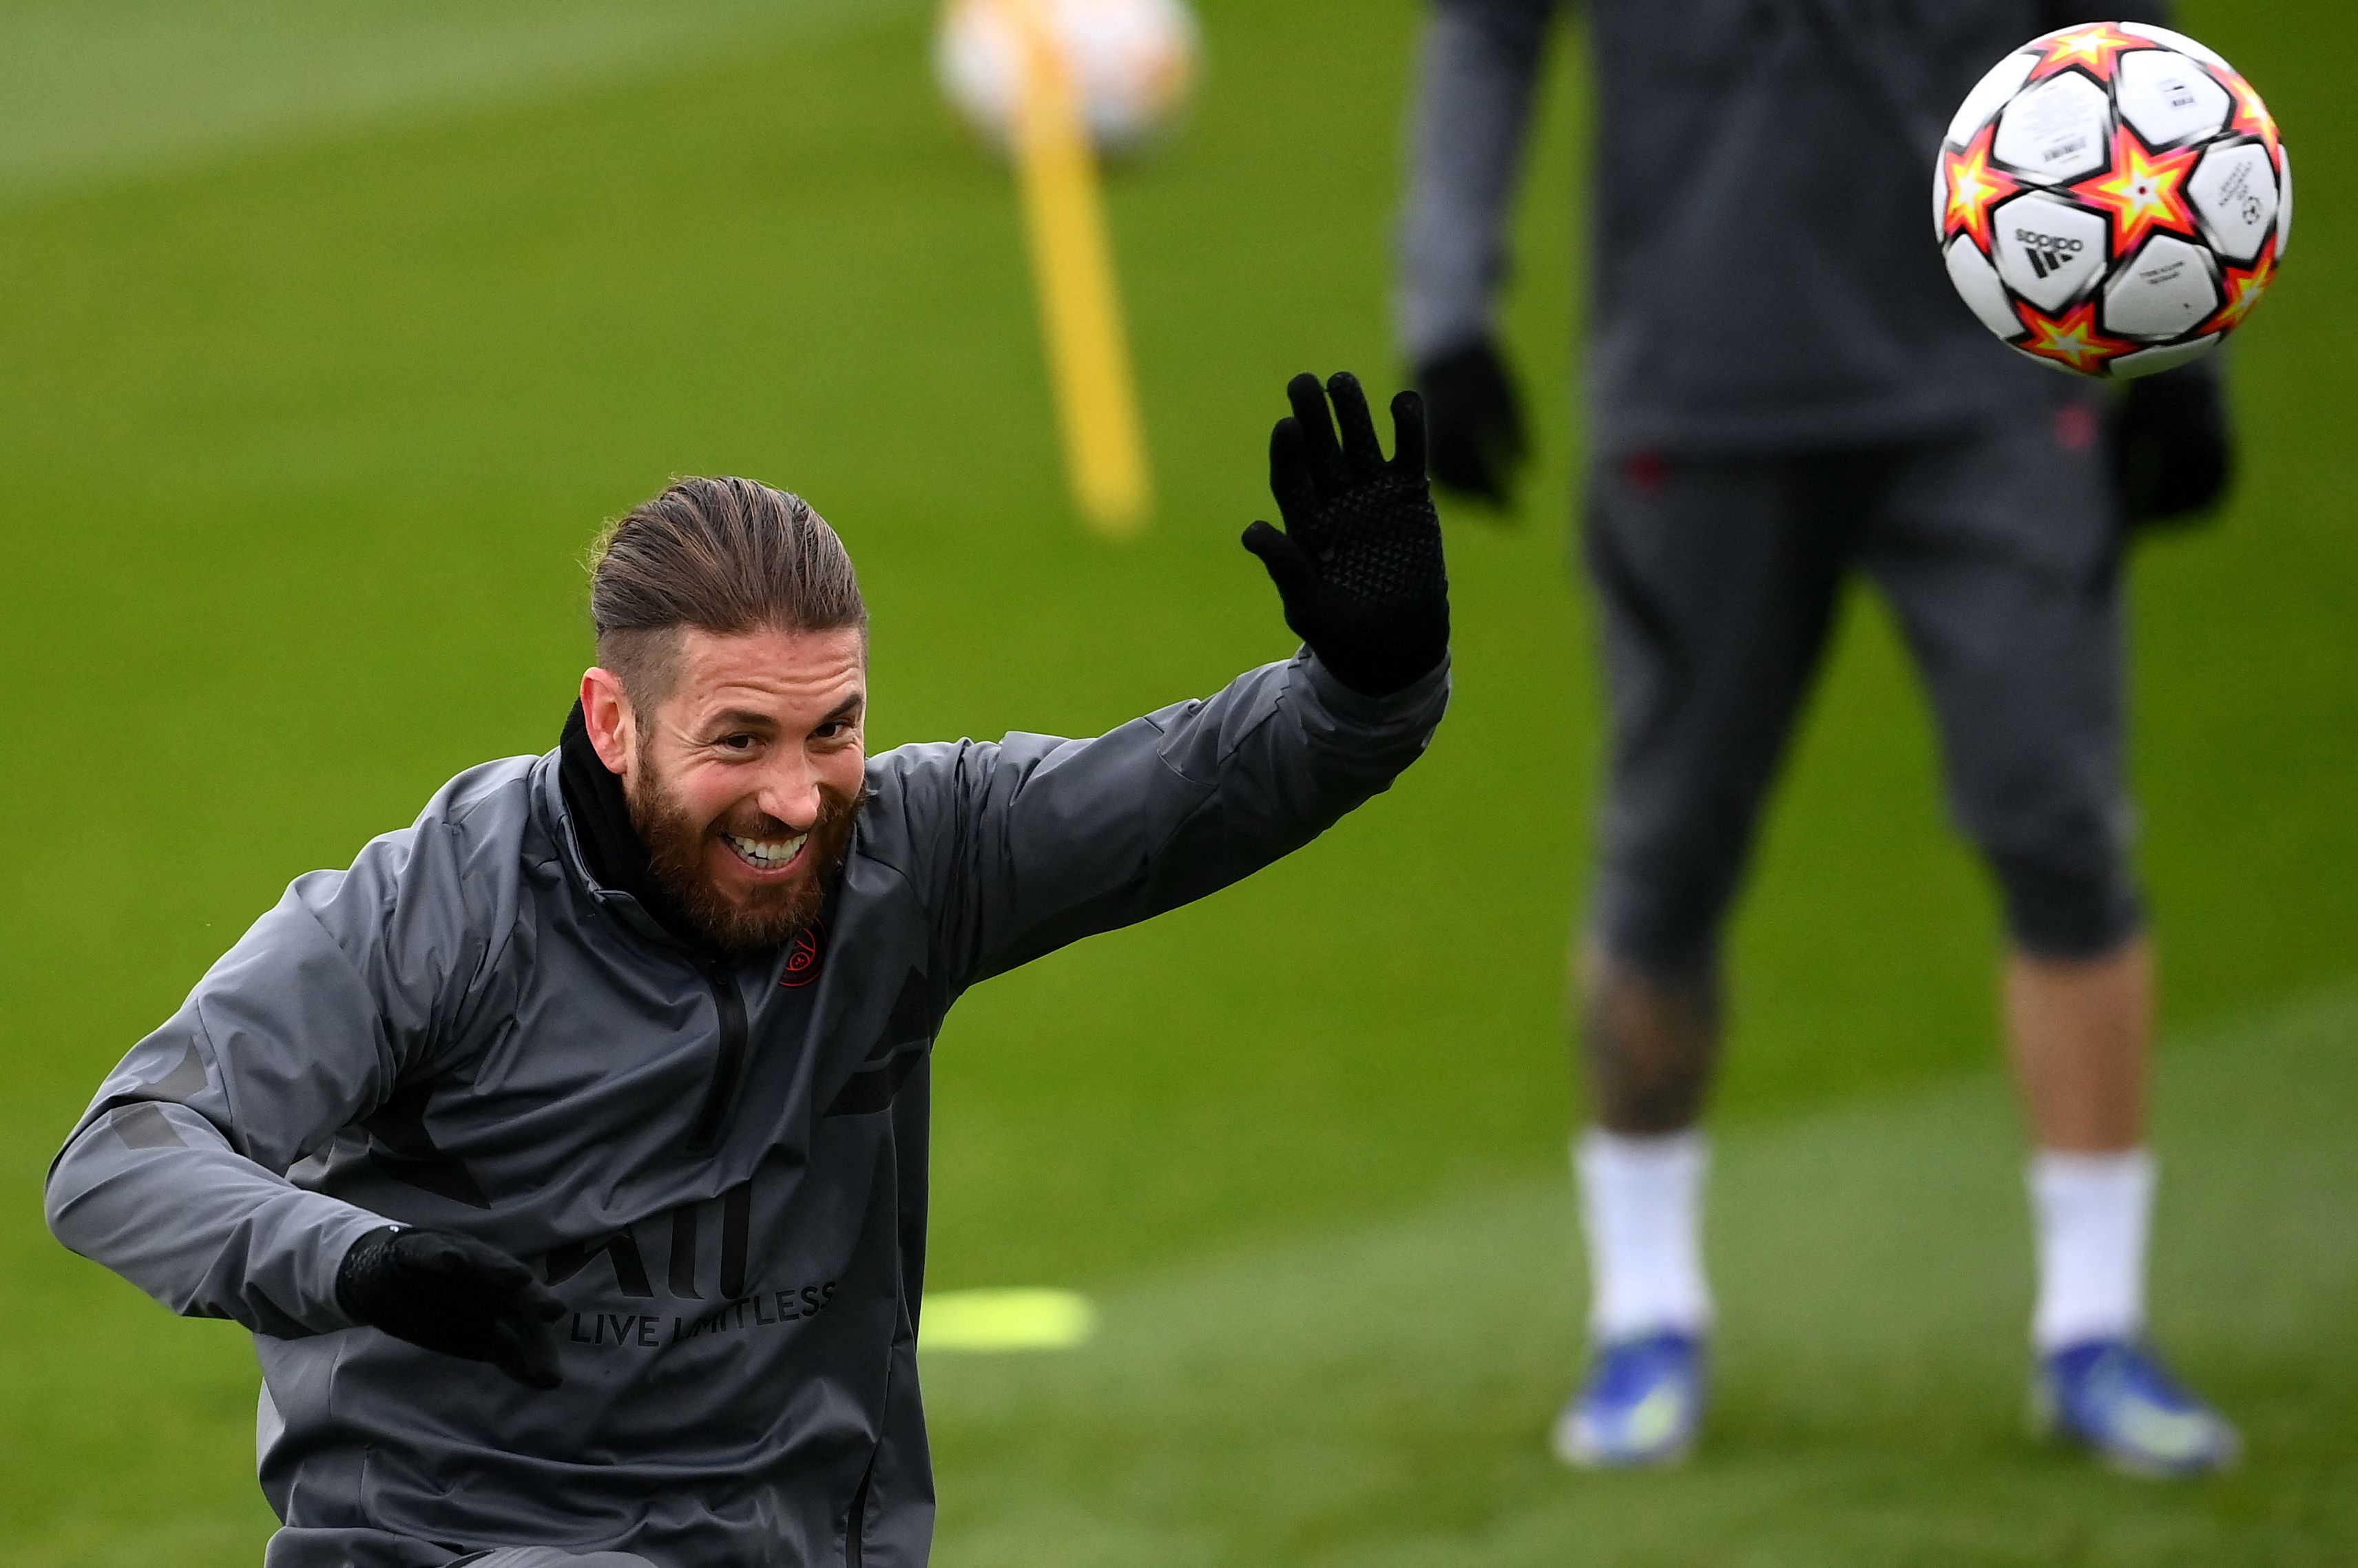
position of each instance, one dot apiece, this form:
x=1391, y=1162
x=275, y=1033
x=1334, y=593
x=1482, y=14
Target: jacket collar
x=612, y=851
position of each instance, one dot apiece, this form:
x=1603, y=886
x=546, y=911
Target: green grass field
x=329, y=332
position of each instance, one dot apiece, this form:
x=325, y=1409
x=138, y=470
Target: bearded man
x=611, y=1070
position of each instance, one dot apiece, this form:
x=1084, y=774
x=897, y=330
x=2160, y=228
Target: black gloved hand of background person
x=1359, y=565
x=1475, y=419
x=452, y=1293
x=2173, y=452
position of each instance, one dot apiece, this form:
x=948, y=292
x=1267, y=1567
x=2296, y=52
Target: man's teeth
x=767, y=853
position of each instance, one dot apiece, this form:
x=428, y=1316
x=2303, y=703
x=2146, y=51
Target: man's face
x=745, y=779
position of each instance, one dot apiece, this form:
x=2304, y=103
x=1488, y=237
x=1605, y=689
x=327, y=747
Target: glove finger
x=526, y=1353
x=1363, y=455
x=535, y=1303
x=1310, y=417
x=1408, y=436
x=1288, y=568
x=1290, y=479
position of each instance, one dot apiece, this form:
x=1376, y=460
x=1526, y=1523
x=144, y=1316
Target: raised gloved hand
x=2172, y=450
x=1477, y=421
x=452, y=1293
x=1358, y=563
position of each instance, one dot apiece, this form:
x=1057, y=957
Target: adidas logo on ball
x=2048, y=252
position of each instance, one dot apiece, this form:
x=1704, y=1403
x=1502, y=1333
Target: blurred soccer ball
x=1133, y=62
x=2113, y=199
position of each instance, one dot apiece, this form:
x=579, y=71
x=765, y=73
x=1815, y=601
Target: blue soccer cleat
x=2115, y=1396
x=1641, y=1405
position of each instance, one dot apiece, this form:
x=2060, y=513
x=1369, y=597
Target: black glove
x=454, y=1295
x=1477, y=419
x=2172, y=450
x=1359, y=565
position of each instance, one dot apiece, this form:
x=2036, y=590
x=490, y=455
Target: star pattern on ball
x=2072, y=339
x=1974, y=188
x=2243, y=286
x=2095, y=49
x=2252, y=116
x=2142, y=191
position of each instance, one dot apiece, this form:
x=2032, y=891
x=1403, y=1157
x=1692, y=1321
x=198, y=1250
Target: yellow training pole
x=1080, y=311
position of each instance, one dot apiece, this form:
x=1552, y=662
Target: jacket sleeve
x=1035, y=842
x=176, y=1178
x=1478, y=69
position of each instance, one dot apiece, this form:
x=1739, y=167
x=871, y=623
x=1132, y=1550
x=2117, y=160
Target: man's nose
x=790, y=791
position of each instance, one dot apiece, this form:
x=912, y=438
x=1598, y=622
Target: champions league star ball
x=1133, y=63
x=2113, y=199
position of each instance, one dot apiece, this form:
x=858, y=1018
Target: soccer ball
x=1133, y=63
x=2113, y=199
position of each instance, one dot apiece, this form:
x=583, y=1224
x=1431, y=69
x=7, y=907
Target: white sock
x=2093, y=1212
x=1641, y=1204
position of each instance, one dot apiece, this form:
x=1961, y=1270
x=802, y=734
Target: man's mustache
x=834, y=807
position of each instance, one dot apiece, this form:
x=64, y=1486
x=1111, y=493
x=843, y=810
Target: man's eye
x=737, y=742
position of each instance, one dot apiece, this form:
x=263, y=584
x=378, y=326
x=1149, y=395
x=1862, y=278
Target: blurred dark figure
x=1784, y=389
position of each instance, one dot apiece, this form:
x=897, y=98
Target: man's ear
x=606, y=710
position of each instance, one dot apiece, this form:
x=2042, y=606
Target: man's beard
x=766, y=915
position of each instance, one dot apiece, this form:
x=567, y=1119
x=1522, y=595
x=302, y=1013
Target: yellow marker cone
x=1006, y=1320
x=1080, y=308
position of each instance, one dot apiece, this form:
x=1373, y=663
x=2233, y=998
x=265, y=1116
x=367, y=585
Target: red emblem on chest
x=805, y=955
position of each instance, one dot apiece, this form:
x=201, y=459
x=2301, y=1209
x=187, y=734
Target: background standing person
x=1782, y=389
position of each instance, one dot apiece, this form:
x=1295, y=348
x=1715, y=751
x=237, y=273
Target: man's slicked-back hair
x=725, y=556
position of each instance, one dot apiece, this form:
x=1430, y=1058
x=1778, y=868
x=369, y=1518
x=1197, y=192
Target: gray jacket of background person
x=1764, y=274
x=721, y=1171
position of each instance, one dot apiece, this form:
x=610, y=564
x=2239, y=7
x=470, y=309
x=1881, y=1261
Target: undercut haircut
x=724, y=556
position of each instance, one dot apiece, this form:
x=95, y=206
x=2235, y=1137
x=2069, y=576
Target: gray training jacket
x=721, y=1171
x=1763, y=274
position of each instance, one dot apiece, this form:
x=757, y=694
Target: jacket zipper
x=855, y=1523
x=722, y=1092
